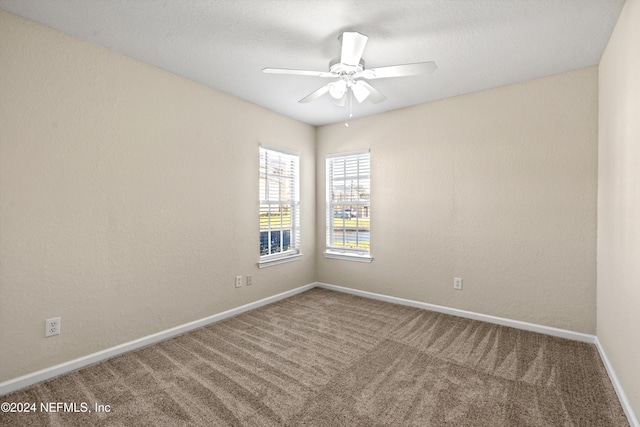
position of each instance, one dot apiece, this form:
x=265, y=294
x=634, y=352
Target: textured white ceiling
x=477, y=44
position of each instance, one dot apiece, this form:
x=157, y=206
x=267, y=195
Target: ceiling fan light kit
x=338, y=88
x=349, y=72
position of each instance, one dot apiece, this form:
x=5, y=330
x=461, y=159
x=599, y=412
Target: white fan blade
x=315, y=94
x=360, y=92
x=298, y=72
x=352, y=48
x=375, y=96
x=400, y=70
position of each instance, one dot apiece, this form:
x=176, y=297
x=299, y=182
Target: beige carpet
x=324, y=358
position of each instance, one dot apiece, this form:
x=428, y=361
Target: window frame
x=265, y=201
x=337, y=252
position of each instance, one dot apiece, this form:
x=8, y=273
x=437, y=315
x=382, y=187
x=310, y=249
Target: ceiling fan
x=350, y=73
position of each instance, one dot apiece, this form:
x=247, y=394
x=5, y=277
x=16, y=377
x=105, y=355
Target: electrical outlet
x=238, y=281
x=249, y=280
x=457, y=283
x=52, y=327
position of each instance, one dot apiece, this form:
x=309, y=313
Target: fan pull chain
x=349, y=107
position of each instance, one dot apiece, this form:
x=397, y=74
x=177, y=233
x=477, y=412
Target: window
x=349, y=206
x=279, y=206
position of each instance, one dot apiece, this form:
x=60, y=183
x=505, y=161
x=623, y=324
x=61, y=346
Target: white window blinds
x=279, y=204
x=349, y=203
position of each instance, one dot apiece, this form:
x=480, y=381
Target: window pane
x=348, y=202
x=279, y=202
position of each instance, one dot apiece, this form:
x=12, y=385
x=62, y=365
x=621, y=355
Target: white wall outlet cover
x=52, y=327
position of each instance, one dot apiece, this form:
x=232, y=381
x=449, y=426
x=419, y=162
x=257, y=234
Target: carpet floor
x=324, y=358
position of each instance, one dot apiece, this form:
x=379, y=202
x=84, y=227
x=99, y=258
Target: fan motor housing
x=335, y=66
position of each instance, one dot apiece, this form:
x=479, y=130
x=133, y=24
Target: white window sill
x=349, y=256
x=280, y=260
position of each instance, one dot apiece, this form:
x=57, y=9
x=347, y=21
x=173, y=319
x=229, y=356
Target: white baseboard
x=548, y=330
x=626, y=406
x=81, y=362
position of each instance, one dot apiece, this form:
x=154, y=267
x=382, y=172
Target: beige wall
x=496, y=187
x=128, y=198
x=619, y=202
